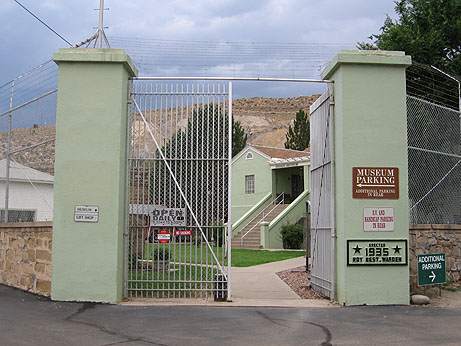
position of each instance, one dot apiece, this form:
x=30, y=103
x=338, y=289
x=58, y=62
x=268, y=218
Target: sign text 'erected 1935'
x=377, y=252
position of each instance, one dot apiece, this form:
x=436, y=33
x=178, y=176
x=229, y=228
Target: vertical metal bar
x=139, y=273
x=8, y=155
x=127, y=191
x=188, y=168
x=331, y=106
x=213, y=164
x=149, y=245
x=155, y=189
x=199, y=136
x=177, y=170
x=100, y=28
x=229, y=202
x=182, y=249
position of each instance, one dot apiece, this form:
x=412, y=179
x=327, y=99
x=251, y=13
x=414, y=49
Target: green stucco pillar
x=90, y=174
x=370, y=141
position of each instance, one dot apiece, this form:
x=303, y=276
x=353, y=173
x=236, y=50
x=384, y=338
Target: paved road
x=26, y=319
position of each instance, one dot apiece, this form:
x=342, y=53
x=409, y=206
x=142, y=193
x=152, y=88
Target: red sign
x=182, y=232
x=375, y=182
x=163, y=236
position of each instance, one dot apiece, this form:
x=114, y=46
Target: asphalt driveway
x=26, y=319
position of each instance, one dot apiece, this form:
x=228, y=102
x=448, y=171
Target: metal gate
x=322, y=195
x=178, y=232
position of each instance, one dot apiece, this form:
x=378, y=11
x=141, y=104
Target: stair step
x=247, y=247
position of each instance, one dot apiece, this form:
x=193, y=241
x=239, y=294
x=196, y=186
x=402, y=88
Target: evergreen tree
x=239, y=137
x=298, y=137
x=197, y=156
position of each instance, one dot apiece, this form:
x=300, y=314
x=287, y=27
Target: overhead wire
x=41, y=21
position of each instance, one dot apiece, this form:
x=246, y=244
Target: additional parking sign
x=431, y=269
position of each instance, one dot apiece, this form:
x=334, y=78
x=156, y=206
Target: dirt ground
x=451, y=295
x=299, y=281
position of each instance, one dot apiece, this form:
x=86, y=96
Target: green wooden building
x=270, y=187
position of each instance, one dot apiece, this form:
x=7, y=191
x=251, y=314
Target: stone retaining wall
x=25, y=253
x=426, y=239
x=25, y=256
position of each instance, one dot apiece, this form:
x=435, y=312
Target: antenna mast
x=101, y=35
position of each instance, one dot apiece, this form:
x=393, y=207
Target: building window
x=15, y=215
x=249, y=184
x=249, y=156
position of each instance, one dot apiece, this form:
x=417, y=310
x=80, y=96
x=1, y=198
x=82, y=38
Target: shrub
x=292, y=236
x=217, y=234
x=161, y=254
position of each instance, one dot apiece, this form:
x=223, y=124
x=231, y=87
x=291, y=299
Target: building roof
x=19, y=172
x=280, y=153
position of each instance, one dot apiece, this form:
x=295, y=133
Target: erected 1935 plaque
x=375, y=182
x=377, y=252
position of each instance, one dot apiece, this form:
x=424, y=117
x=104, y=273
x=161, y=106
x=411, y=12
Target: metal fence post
x=8, y=155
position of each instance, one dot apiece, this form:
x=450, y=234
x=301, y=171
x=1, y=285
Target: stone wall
x=25, y=256
x=426, y=239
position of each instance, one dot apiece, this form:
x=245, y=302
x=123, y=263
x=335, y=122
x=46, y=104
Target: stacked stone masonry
x=25, y=256
x=25, y=253
x=425, y=239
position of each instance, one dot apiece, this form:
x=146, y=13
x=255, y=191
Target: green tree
x=429, y=31
x=197, y=156
x=239, y=137
x=298, y=137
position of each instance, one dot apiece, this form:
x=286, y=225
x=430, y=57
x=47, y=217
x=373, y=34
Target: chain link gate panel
x=322, y=196
x=178, y=242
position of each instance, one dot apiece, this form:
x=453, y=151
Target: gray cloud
x=26, y=43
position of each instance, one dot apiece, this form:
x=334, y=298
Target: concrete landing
x=252, y=286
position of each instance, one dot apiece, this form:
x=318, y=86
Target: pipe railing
x=275, y=203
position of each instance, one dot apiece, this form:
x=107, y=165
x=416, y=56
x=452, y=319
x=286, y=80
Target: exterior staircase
x=253, y=239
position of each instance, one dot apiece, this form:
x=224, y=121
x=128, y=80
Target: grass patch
x=452, y=286
x=180, y=280
x=248, y=258
x=185, y=253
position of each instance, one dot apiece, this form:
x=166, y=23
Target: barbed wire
x=200, y=58
x=29, y=85
x=428, y=83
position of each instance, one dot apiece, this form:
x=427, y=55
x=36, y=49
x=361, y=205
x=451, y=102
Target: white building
x=30, y=195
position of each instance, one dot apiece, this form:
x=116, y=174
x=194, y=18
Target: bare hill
x=265, y=120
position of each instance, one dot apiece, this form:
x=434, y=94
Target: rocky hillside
x=265, y=120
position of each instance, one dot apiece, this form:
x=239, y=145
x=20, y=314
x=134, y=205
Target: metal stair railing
x=275, y=203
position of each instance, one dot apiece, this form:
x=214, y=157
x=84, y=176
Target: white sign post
x=378, y=219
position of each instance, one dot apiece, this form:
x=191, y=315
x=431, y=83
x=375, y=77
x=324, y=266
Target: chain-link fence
x=27, y=134
x=434, y=146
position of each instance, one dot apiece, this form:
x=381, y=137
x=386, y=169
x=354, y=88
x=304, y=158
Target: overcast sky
x=25, y=42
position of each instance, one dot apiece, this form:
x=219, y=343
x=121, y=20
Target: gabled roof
x=19, y=172
x=280, y=153
x=276, y=155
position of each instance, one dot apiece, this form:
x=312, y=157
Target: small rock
x=420, y=299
